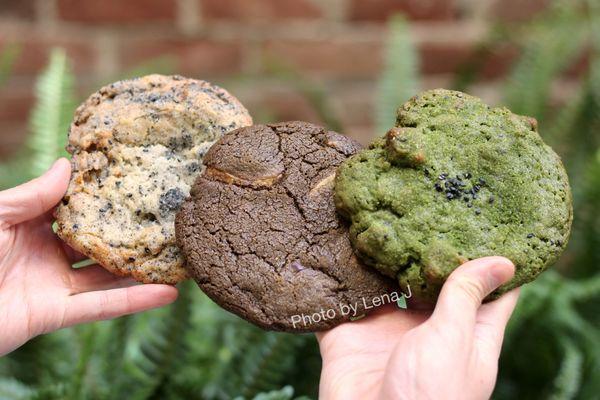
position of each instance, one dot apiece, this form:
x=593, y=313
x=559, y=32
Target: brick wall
x=335, y=42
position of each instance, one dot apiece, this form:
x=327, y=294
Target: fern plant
x=49, y=123
x=399, y=79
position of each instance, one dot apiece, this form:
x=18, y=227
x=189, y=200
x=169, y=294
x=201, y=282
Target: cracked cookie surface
x=261, y=234
x=137, y=146
x=455, y=180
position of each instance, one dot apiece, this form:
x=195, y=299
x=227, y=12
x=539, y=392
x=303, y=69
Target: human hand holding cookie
x=39, y=290
x=451, y=353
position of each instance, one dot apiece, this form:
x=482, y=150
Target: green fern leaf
x=158, y=354
x=52, y=113
x=399, y=79
x=549, y=48
x=566, y=383
x=12, y=389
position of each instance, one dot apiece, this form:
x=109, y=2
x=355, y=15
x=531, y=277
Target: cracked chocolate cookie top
x=137, y=147
x=261, y=234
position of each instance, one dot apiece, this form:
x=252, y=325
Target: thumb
x=467, y=286
x=34, y=198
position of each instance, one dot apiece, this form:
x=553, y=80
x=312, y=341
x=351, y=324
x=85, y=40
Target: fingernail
x=501, y=272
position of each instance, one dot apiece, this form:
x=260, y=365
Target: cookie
x=455, y=180
x=261, y=234
x=137, y=147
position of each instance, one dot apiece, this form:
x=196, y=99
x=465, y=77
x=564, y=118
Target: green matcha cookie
x=455, y=180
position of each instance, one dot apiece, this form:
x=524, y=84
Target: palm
x=39, y=290
x=359, y=351
x=450, y=353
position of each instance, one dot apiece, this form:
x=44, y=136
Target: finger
x=113, y=303
x=95, y=277
x=467, y=286
x=492, y=319
x=35, y=197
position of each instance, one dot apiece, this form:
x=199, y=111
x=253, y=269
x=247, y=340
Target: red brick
x=15, y=105
x=381, y=10
x=259, y=9
x=443, y=58
x=290, y=106
x=34, y=51
x=195, y=58
x=332, y=58
x=499, y=61
x=12, y=137
x=18, y=8
x=517, y=10
x=580, y=64
x=117, y=11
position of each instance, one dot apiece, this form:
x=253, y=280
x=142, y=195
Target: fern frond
x=568, y=379
x=548, y=50
x=399, y=79
x=52, y=113
x=44, y=360
x=159, y=351
x=265, y=363
x=12, y=389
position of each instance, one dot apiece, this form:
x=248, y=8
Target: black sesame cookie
x=137, y=147
x=455, y=180
x=261, y=234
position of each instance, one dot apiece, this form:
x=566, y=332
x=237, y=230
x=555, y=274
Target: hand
x=451, y=353
x=39, y=290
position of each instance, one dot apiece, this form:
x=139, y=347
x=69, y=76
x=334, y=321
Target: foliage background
x=193, y=349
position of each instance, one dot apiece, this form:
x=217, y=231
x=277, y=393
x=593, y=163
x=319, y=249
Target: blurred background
x=345, y=64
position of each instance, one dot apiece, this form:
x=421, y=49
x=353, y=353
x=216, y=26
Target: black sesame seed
x=491, y=199
x=468, y=175
x=426, y=172
x=530, y=235
x=470, y=205
x=477, y=211
x=449, y=196
x=481, y=181
x=466, y=199
x=438, y=187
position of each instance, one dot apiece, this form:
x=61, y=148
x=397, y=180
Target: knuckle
x=469, y=287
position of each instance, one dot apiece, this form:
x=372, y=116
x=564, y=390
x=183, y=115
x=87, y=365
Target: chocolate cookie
x=261, y=234
x=137, y=147
x=454, y=181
